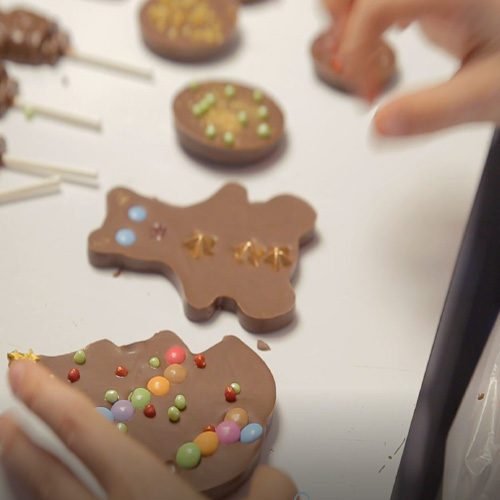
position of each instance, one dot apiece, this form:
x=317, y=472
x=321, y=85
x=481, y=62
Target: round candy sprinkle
x=175, y=355
x=106, y=413
x=137, y=213
x=173, y=414
x=122, y=427
x=123, y=410
x=230, y=394
x=140, y=398
x=243, y=117
x=180, y=402
x=175, y=374
x=228, y=432
x=154, y=362
x=188, y=456
x=251, y=433
x=125, y=237
x=209, y=98
x=228, y=138
x=263, y=112
x=263, y=130
x=236, y=387
x=80, y=357
x=194, y=85
x=199, y=361
x=257, y=96
x=150, y=411
x=229, y=90
x=73, y=375
x=121, y=371
x=208, y=442
x=209, y=428
x=159, y=386
x=210, y=131
x=197, y=109
x=238, y=416
x=111, y=396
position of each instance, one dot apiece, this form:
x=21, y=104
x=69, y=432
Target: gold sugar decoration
x=122, y=198
x=16, y=355
x=278, y=257
x=200, y=245
x=249, y=251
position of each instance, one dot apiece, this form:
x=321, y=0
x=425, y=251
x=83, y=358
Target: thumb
x=472, y=95
x=269, y=483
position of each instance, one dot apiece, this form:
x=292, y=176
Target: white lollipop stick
x=66, y=173
x=121, y=66
x=31, y=109
x=46, y=186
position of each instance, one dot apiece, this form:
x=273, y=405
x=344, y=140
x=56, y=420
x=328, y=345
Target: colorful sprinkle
x=199, y=361
x=263, y=112
x=208, y=442
x=150, y=411
x=180, y=402
x=228, y=432
x=257, y=96
x=209, y=98
x=154, y=362
x=236, y=387
x=230, y=394
x=251, y=433
x=140, y=398
x=106, y=413
x=175, y=355
x=80, y=357
x=29, y=112
x=175, y=374
x=121, y=371
x=209, y=428
x=125, y=237
x=74, y=375
x=263, y=130
x=173, y=414
x=188, y=456
x=137, y=213
x=123, y=410
x=228, y=138
x=111, y=396
x=210, y=131
x=159, y=386
x=237, y=415
x=195, y=85
x=197, y=109
x=230, y=90
x=243, y=117
x=122, y=427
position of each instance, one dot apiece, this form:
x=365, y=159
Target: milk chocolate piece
x=188, y=30
x=228, y=362
x=380, y=74
x=223, y=253
x=227, y=123
x=26, y=37
x=8, y=91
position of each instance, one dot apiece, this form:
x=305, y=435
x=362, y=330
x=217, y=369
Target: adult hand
x=124, y=468
x=467, y=29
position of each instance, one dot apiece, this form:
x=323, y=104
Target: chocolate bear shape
x=103, y=367
x=223, y=253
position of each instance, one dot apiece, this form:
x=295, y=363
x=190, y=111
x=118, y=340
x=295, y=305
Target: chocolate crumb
x=480, y=396
x=117, y=272
x=263, y=346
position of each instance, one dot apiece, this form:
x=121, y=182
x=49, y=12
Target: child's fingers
x=32, y=469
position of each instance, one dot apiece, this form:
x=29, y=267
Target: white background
x=369, y=291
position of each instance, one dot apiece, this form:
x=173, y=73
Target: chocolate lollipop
x=28, y=38
x=9, y=99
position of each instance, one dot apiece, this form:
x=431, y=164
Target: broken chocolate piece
x=223, y=253
x=262, y=346
x=8, y=91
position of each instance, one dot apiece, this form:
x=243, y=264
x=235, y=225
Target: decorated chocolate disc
x=190, y=30
x=228, y=123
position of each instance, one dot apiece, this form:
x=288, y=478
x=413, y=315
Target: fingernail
x=391, y=124
x=336, y=63
x=16, y=375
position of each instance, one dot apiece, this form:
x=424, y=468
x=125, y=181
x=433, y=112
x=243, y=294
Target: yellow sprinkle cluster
x=192, y=20
x=16, y=355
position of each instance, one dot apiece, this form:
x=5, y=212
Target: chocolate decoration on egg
x=209, y=251
x=227, y=123
x=28, y=38
x=8, y=92
x=191, y=30
x=144, y=415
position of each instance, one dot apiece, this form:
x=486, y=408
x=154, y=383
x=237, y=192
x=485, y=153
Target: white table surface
x=369, y=291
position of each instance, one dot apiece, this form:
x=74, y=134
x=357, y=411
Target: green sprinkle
x=80, y=357
x=173, y=414
x=263, y=112
x=154, y=362
x=236, y=387
x=122, y=427
x=111, y=396
x=243, y=117
x=195, y=85
x=180, y=402
x=209, y=98
x=228, y=138
x=140, y=398
x=29, y=112
x=197, y=109
x=257, y=96
x=188, y=456
x=229, y=90
x=264, y=130
x=211, y=131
